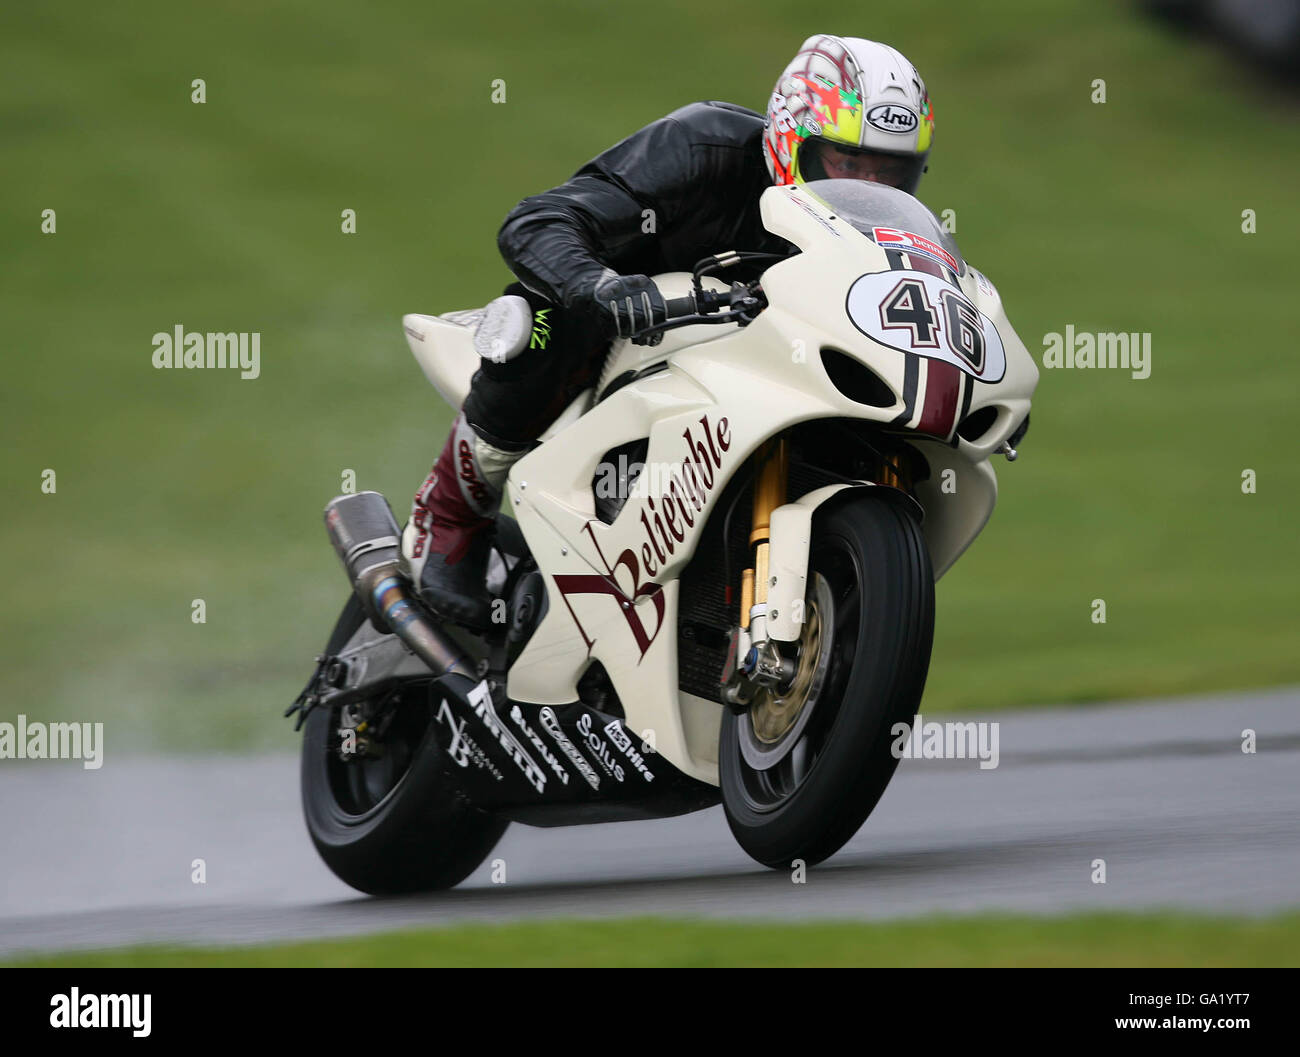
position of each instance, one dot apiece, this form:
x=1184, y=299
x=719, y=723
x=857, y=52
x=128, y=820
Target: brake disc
x=776, y=719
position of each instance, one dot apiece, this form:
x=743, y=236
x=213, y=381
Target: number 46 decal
x=907, y=307
x=920, y=313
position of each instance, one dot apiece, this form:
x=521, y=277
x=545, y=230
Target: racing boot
x=446, y=542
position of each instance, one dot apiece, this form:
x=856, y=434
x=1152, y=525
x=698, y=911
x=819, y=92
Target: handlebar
x=740, y=304
x=680, y=306
x=707, y=306
x=698, y=303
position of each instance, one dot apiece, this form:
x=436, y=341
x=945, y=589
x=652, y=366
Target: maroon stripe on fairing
x=943, y=381
x=967, y=390
x=924, y=264
x=942, y=388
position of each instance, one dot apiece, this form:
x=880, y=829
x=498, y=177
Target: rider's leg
x=445, y=544
x=513, y=397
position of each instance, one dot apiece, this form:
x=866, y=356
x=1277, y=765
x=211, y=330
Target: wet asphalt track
x=1161, y=791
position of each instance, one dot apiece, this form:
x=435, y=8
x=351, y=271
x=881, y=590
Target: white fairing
x=445, y=352
x=613, y=589
x=443, y=346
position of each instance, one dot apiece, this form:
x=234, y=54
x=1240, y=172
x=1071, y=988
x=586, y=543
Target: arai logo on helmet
x=890, y=117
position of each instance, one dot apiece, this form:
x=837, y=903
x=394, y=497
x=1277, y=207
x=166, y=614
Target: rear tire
x=807, y=806
x=395, y=831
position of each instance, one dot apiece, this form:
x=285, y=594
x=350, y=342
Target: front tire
x=872, y=589
x=396, y=824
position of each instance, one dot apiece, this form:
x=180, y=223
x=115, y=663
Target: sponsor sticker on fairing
x=615, y=732
x=462, y=749
x=599, y=747
x=551, y=724
x=796, y=196
x=480, y=700
x=910, y=242
x=516, y=713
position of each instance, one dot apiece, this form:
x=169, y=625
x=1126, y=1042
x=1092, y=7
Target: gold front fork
x=769, y=493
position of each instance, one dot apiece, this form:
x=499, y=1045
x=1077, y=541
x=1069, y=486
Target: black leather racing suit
x=681, y=188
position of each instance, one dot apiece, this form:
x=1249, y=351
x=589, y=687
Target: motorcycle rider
x=681, y=188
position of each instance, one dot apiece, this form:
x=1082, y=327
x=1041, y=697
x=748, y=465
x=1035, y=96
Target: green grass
x=180, y=485
x=1171, y=940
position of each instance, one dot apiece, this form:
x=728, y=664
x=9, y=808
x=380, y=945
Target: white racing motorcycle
x=716, y=579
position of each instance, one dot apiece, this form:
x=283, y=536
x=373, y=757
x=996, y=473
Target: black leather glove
x=631, y=303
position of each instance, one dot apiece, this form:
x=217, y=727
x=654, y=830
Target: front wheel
x=803, y=766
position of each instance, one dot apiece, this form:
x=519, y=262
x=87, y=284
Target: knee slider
x=505, y=330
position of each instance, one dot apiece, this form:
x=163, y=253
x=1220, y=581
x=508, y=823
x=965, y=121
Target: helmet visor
x=821, y=159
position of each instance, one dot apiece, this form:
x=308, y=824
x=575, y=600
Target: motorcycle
x=713, y=577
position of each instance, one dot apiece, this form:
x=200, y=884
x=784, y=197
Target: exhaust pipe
x=368, y=542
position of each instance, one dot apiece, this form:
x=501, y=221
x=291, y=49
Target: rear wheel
x=385, y=817
x=802, y=768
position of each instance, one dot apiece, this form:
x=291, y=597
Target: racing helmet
x=848, y=107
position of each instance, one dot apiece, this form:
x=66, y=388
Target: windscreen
x=871, y=206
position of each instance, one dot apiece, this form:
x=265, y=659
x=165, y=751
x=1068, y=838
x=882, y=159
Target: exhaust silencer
x=368, y=542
